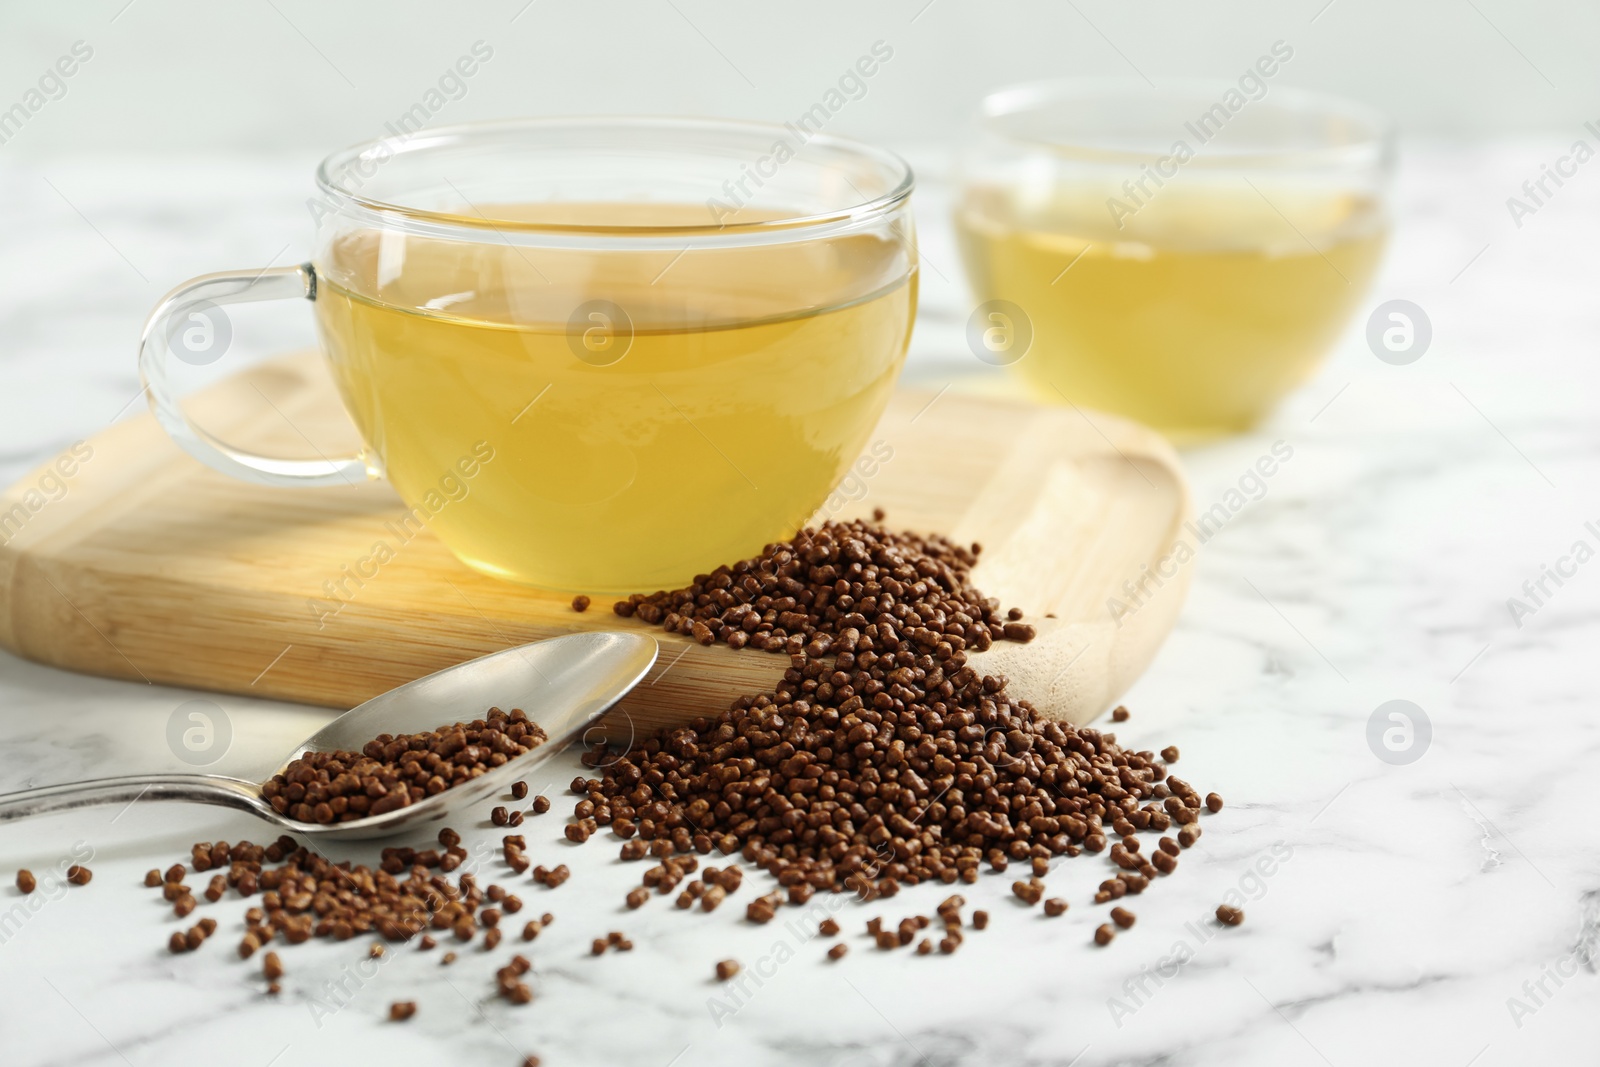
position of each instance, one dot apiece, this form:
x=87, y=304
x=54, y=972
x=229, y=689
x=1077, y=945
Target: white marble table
x=1412, y=914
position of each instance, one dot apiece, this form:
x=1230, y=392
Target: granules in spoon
x=391, y=772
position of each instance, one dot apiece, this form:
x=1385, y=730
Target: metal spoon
x=564, y=684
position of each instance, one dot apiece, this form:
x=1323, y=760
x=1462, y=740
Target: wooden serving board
x=150, y=566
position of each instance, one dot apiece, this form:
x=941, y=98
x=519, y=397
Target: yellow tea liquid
x=747, y=383
x=1205, y=307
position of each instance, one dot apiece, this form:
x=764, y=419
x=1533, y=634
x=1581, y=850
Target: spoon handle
x=196, y=788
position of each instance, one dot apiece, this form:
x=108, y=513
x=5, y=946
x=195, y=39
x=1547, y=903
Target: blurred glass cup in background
x=1183, y=255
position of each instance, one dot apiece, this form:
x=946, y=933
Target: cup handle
x=180, y=306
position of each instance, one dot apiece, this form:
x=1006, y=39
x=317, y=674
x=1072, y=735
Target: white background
x=199, y=75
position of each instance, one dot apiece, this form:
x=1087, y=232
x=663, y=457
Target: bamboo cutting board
x=131, y=560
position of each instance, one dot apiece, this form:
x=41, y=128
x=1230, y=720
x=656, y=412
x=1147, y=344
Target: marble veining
x=1445, y=911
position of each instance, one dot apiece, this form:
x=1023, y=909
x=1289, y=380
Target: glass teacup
x=1183, y=255
x=593, y=354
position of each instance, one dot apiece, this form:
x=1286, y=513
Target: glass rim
x=899, y=177
x=1374, y=148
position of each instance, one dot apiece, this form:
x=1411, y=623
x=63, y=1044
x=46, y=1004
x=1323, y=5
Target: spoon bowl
x=564, y=684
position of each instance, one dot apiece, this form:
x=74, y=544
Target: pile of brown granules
x=804, y=594
x=304, y=895
x=882, y=758
x=393, y=772
x=298, y=894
